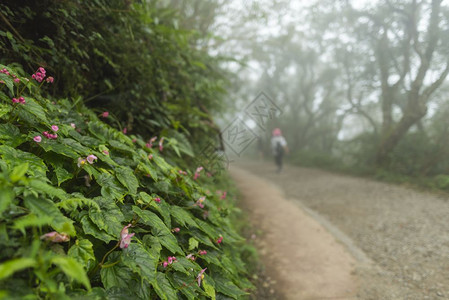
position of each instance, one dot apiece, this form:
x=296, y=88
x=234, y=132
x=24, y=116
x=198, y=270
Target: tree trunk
x=389, y=142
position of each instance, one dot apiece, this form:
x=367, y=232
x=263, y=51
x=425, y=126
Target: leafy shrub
x=117, y=54
x=88, y=211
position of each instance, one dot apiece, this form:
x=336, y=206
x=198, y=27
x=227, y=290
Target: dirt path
x=403, y=232
x=304, y=258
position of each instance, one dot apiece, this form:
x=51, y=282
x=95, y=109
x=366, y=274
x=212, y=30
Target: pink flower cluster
x=50, y=136
x=125, y=237
x=202, y=252
x=55, y=237
x=5, y=71
x=170, y=260
x=220, y=240
x=176, y=229
x=182, y=172
x=39, y=75
x=20, y=100
x=105, y=114
x=157, y=200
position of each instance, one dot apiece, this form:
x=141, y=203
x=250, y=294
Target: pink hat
x=277, y=132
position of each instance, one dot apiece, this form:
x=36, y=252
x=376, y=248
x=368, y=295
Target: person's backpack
x=279, y=149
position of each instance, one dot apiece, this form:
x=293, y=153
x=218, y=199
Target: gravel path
x=404, y=232
x=289, y=242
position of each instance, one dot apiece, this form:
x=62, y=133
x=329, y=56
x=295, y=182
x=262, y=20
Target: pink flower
x=106, y=152
x=220, y=240
x=50, y=79
x=125, y=130
x=165, y=264
x=200, y=201
x=200, y=276
x=105, y=114
x=125, y=237
x=177, y=229
x=151, y=141
x=161, y=146
x=15, y=100
x=81, y=162
x=148, y=145
x=55, y=237
x=150, y=156
x=223, y=196
x=197, y=173
x=202, y=252
x=191, y=257
x=16, y=80
x=134, y=140
x=157, y=200
x=170, y=260
x=37, y=138
x=54, y=128
x=90, y=158
x=73, y=125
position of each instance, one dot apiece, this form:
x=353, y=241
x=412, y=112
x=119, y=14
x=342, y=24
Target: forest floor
x=331, y=236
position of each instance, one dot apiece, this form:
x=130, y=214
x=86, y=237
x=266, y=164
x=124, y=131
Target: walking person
x=278, y=147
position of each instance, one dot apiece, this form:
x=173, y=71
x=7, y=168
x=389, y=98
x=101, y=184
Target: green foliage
x=47, y=186
x=117, y=54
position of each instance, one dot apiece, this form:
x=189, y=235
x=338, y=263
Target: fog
x=357, y=81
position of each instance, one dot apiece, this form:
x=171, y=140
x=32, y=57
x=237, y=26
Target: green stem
x=111, y=264
x=20, y=93
x=94, y=270
x=11, y=116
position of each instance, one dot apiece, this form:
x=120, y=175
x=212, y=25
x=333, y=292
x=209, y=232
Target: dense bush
x=118, y=54
x=90, y=212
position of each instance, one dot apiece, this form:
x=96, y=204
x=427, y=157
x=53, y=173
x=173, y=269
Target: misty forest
x=224, y=149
